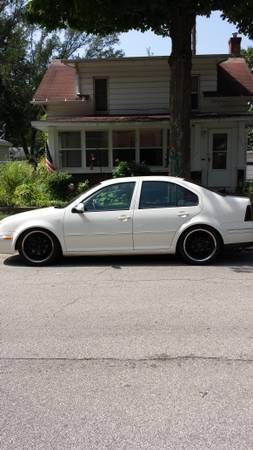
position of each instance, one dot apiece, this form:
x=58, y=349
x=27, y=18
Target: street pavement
x=127, y=353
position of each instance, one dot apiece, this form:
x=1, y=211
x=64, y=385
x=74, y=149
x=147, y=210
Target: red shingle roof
x=235, y=78
x=58, y=84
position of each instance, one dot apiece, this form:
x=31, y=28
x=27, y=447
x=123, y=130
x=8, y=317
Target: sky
x=212, y=37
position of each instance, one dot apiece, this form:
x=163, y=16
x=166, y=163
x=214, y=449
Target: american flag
x=49, y=162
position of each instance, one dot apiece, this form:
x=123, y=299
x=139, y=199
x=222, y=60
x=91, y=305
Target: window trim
x=97, y=149
x=134, y=148
x=161, y=147
x=61, y=150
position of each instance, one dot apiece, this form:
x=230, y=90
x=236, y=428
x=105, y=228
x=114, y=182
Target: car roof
x=146, y=178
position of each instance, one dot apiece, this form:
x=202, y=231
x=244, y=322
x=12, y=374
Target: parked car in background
x=136, y=215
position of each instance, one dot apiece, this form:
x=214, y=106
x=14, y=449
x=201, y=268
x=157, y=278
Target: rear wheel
x=199, y=245
x=38, y=247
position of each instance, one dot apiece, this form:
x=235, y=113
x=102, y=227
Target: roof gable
x=58, y=84
x=235, y=78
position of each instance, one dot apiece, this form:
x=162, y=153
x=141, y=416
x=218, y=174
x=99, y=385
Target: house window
x=195, y=92
x=219, y=150
x=101, y=95
x=123, y=144
x=151, y=149
x=70, y=149
x=96, y=149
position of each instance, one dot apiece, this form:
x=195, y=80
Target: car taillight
x=248, y=214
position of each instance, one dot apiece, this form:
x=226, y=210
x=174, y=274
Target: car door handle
x=124, y=218
x=183, y=214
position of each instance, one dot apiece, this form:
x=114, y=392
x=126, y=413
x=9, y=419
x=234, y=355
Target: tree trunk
x=180, y=93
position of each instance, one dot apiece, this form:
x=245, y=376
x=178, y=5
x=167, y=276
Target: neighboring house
x=102, y=111
x=249, y=170
x=4, y=150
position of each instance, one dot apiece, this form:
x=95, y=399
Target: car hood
x=11, y=222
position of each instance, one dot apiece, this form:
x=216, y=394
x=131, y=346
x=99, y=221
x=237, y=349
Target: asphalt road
x=127, y=353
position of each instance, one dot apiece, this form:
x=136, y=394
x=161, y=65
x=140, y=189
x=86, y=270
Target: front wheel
x=199, y=245
x=38, y=247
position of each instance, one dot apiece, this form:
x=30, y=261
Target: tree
x=248, y=55
x=164, y=17
x=25, y=51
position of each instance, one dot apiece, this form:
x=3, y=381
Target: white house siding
x=68, y=109
x=141, y=85
x=223, y=105
x=249, y=170
x=133, y=86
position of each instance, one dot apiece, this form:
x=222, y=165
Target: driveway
x=127, y=353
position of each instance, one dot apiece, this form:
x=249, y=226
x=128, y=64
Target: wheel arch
x=196, y=226
x=36, y=228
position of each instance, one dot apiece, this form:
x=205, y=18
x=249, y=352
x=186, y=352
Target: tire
x=200, y=245
x=38, y=247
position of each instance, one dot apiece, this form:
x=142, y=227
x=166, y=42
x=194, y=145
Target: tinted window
x=162, y=194
x=111, y=198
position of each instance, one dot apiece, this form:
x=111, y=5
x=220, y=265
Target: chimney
x=235, y=45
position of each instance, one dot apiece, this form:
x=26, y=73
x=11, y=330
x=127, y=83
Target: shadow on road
x=236, y=260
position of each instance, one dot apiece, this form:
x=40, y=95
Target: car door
x=163, y=208
x=105, y=226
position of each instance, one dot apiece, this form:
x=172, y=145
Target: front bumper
x=6, y=243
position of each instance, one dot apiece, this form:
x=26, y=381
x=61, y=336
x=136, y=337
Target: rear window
x=162, y=194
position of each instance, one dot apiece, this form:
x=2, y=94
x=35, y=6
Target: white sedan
x=137, y=215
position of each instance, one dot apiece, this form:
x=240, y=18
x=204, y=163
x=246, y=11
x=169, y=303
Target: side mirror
x=79, y=209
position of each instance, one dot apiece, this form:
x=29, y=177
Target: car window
x=111, y=198
x=163, y=194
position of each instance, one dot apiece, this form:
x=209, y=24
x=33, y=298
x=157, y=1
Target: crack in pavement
x=162, y=358
x=66, y=306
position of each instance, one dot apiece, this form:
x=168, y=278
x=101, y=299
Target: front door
x=106, y=223
x=219, y=158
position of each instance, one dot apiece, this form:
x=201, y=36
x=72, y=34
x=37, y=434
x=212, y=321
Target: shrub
x=13, y=174
x=82, y=186
x=130, y=169
x=58, y=185
x=21, y=185
x=249, y=190
x=30, y=194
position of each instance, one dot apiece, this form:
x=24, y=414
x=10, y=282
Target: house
x=100, y=111
x=249, y=169
x=4, y=150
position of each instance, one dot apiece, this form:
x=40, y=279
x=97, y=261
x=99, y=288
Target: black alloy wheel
x=38, y=247
x=199, y=245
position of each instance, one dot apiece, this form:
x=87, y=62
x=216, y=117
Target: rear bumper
x=242, y=235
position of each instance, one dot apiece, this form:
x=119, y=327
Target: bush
x=29, y=194
x=82, y=187
x=130, y=169
x=12, y=175
x=58, y=185
x=21, y=185
x=248, y=190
